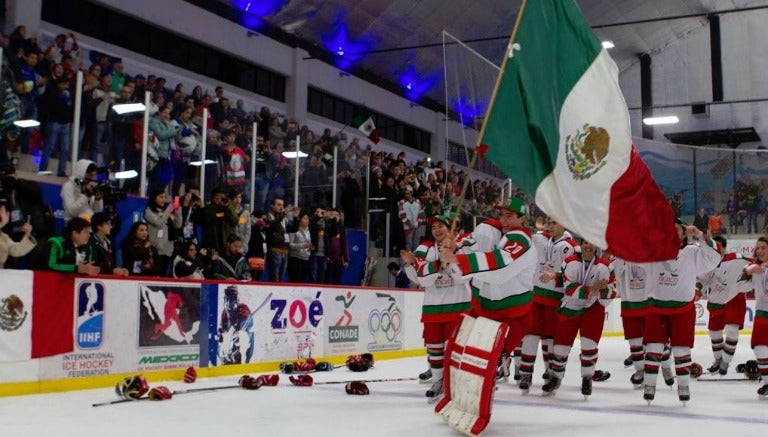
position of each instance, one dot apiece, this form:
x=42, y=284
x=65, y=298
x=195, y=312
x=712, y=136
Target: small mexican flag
x=559, y=127
x=364, y=123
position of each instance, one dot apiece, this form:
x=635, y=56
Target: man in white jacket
x=79, y=194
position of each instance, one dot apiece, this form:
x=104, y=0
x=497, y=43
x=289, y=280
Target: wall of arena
x=66, y=333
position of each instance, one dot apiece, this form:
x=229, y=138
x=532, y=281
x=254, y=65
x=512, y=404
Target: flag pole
x=481, y=149
x=501, y=70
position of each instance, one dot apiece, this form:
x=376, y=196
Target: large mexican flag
x=558, y=126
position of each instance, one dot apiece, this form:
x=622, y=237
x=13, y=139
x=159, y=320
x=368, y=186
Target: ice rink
x=717, y=408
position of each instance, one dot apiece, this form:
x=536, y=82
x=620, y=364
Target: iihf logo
x=90, y=314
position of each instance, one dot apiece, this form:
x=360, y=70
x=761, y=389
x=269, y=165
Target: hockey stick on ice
x=367, y=380
x=175, y=392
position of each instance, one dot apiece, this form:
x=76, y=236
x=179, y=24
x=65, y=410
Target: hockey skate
x=668, y=375
x=715, y=367
x=762, y=392
x=586, y=387
x=601, y=375
x=553, y=383
x=637, y=379
x=628, y=361
x=517, y=373
x=649, y=393
x=525, y=382
x=723, y=370
x=435, y=393
x=425, y=377
x=684, y=393
x=502, y=373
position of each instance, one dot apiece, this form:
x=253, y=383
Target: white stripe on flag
x=596, y=100
x=16, y=315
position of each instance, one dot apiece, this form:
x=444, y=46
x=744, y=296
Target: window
x=341, y=110
x=116, y=28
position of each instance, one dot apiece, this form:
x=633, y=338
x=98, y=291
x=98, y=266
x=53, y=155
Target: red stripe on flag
x=53, y=309
x=641, y=224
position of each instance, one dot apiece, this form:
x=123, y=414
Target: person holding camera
x=191, y=263
x=81, y=195
x=9, y=247
x=190, y=203
x=217, y=219
x=160, y=219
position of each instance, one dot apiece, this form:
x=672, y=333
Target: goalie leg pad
x=470, y=375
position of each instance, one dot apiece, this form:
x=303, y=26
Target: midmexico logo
x=175, y=358
x=343, y=331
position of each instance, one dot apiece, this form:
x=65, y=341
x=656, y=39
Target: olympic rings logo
x=388, y=321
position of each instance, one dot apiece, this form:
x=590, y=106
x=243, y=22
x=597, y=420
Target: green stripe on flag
x=553, y=47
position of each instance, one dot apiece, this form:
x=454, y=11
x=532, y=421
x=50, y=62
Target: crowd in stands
x=233, y=235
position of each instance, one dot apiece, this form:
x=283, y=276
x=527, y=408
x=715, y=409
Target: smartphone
x=176, y=203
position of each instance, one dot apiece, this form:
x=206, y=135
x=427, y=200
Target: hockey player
x=589, y=286
x=235, y=317
x=757, y=273
x=502, y=273
x=632, y=287
x=726, y=289
x=552, y=249
x=446, y=295
x=671, y=314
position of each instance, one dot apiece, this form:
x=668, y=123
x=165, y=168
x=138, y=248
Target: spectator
x=9, y=247
x=318, y=259
x=243, y=228
x=56, y=105
x=715, y=223
x=188, y=142
x=120, y=132
x=70, y=252
x=299, y=251
x=401, y=279
x=139, y=255
x=257, y=247
x=217, y=219
x=101, y=100
x=27, y=83
x=188, y=265
x=165, y=132
x=79, y=195
x=338, y=257
x=701, y=221
x=190, y=203
x=413, y=219
x=277, y=239
x=234, y=162
x=231, y=264
x=161, y=219
x=101, y=245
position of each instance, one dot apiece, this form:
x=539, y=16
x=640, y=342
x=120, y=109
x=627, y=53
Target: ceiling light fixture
x=664, y=119
x=26, y=123
x=292, y=155
x=608, y=44
x=125, y=108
